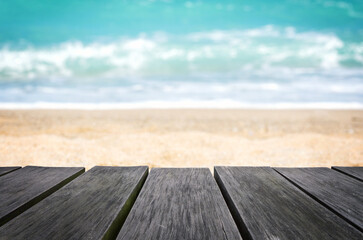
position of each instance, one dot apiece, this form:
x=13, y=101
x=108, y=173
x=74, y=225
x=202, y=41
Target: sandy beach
x=181, y=138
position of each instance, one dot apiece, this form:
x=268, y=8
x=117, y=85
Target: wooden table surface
x=21, y=189
x=340, y=193
x=93, y=206
x=355, y=172
x=181, y=203
x=6, y=170
x=267, y=206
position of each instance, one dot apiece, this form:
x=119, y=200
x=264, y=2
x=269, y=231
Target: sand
x=181, y=138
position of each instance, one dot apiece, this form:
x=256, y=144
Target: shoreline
x=182, y=105
x=182, y=137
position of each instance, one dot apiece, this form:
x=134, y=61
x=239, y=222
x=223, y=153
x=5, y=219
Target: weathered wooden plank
x=179, y=203
x=93, y=206
x=340, y=193
x=355, y=172
x=6, y=170
x=21, y=189
x=267, y=206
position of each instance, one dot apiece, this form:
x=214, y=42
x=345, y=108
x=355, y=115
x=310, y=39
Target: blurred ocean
x=110, y=54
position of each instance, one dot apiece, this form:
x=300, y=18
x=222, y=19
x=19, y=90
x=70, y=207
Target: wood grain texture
x=267, y=206
x=179, y=203
x=21, y=189
x=340, y=193
x=6, y=170
x=94, y=206
x=354, y=172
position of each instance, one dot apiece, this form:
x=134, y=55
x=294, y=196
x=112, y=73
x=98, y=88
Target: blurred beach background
x=181, y=83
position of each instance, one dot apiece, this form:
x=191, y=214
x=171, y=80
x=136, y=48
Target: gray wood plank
x=6, y=170
x=21, y=189
x=267, y=206
x=340, y=193
x=354, y=172
x=93, y=206
x=179, y=203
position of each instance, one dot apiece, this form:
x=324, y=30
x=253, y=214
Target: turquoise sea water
x=286, y=53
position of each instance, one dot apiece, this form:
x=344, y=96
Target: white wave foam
x=184, y=93
x=185, y=104
x=201, y=52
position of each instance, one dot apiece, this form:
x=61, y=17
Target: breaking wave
x=253, y=66
x=200, y=53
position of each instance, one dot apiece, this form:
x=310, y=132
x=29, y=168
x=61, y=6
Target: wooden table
x=93, y=206
x=340, y=193
x=355, y=172
x=6, y=170
x=265, y=205
x=181, y=203
x=21, y=189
